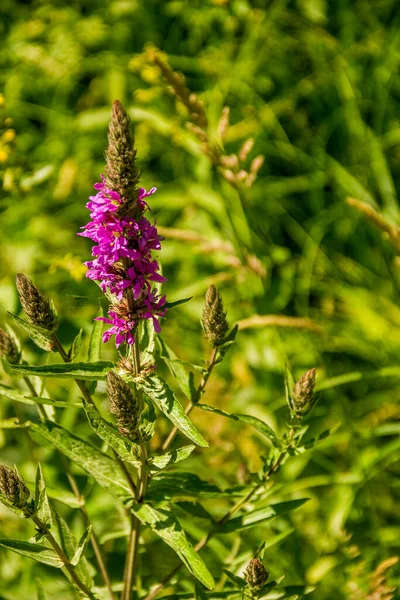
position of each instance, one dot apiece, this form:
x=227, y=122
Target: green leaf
x=147, y=425
x=147, y=340
x=256, y=517
x=268, y=587
x=76, y=346
x=289, y=385
x=195, y=509
x=17, y=396
x=227, y=343
x=95, y=343
x=40, y=336
x=81, y=546
x=42, y=506
x=170, y=305
x=167, y=485
x=34, y=551
x=127, y=450
x=157, y=463
x=71, y=548
x=64, y=496
x=239, y=582
x=322, y=436
x=79, y=370
x=165, y=525
x=164, y=398
x=176, y=367
x=254, y=422
x=105, y=470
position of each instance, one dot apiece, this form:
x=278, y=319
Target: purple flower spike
x=123, y=263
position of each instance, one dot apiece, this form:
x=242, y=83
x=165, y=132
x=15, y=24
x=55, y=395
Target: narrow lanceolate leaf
x=16, y=396
x=80, y=548
x=165, y=525
x=157, y=463
x=147, y=425
x=102, y=468
x=68, y=542
x=79, y=370
x=170, y=305
x=37, y=334
x=322, y=436
x=34, y=551
x=147, y=340
x=239, y=582
x=289, y=385
x=42, y=506
x=254, y=422
x=76, y=346
x=259, y=516
x=95, y=343
x=176, y=367
x=127, y=450
x=163, y=397
x=180, y=484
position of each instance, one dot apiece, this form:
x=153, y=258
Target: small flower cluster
x=122, y=261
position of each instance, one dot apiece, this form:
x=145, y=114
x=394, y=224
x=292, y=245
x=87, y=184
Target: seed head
x=122, y=174
x=13, y=491
x=256, y=575
x=9, y=348
x=38, y=309
x=124, y=405
x=215, y=322
x=303, y=398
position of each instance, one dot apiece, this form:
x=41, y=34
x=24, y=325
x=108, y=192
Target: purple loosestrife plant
x=137, y=469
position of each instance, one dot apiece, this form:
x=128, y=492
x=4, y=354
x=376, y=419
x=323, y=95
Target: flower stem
x=63, y=557
x=133, y=544
x=220, y=524
x=196, y=397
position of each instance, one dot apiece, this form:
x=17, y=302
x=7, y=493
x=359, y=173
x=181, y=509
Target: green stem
x=220, y=524
x=196, y=397
x=63, y=557
x=133, y=544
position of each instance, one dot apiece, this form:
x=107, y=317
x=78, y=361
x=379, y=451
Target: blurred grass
x=316, y=84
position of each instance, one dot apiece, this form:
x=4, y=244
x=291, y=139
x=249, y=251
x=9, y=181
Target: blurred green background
x=316, y=84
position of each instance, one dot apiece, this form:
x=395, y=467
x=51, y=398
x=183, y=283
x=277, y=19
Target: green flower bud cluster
x=215, y=323
x=124, y=405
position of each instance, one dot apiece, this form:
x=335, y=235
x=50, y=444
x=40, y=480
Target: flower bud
x=215, y=322
x=256, y=575
x=9, y=348
x=38, y=309
x=13, y=491
x=122, y=174
x=124, y=405
x=303, y=398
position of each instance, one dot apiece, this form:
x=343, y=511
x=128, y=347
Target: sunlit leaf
x=34, y=551
x=165, y=525
x=87, y=371
x=102, y=468
x=163, y=397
